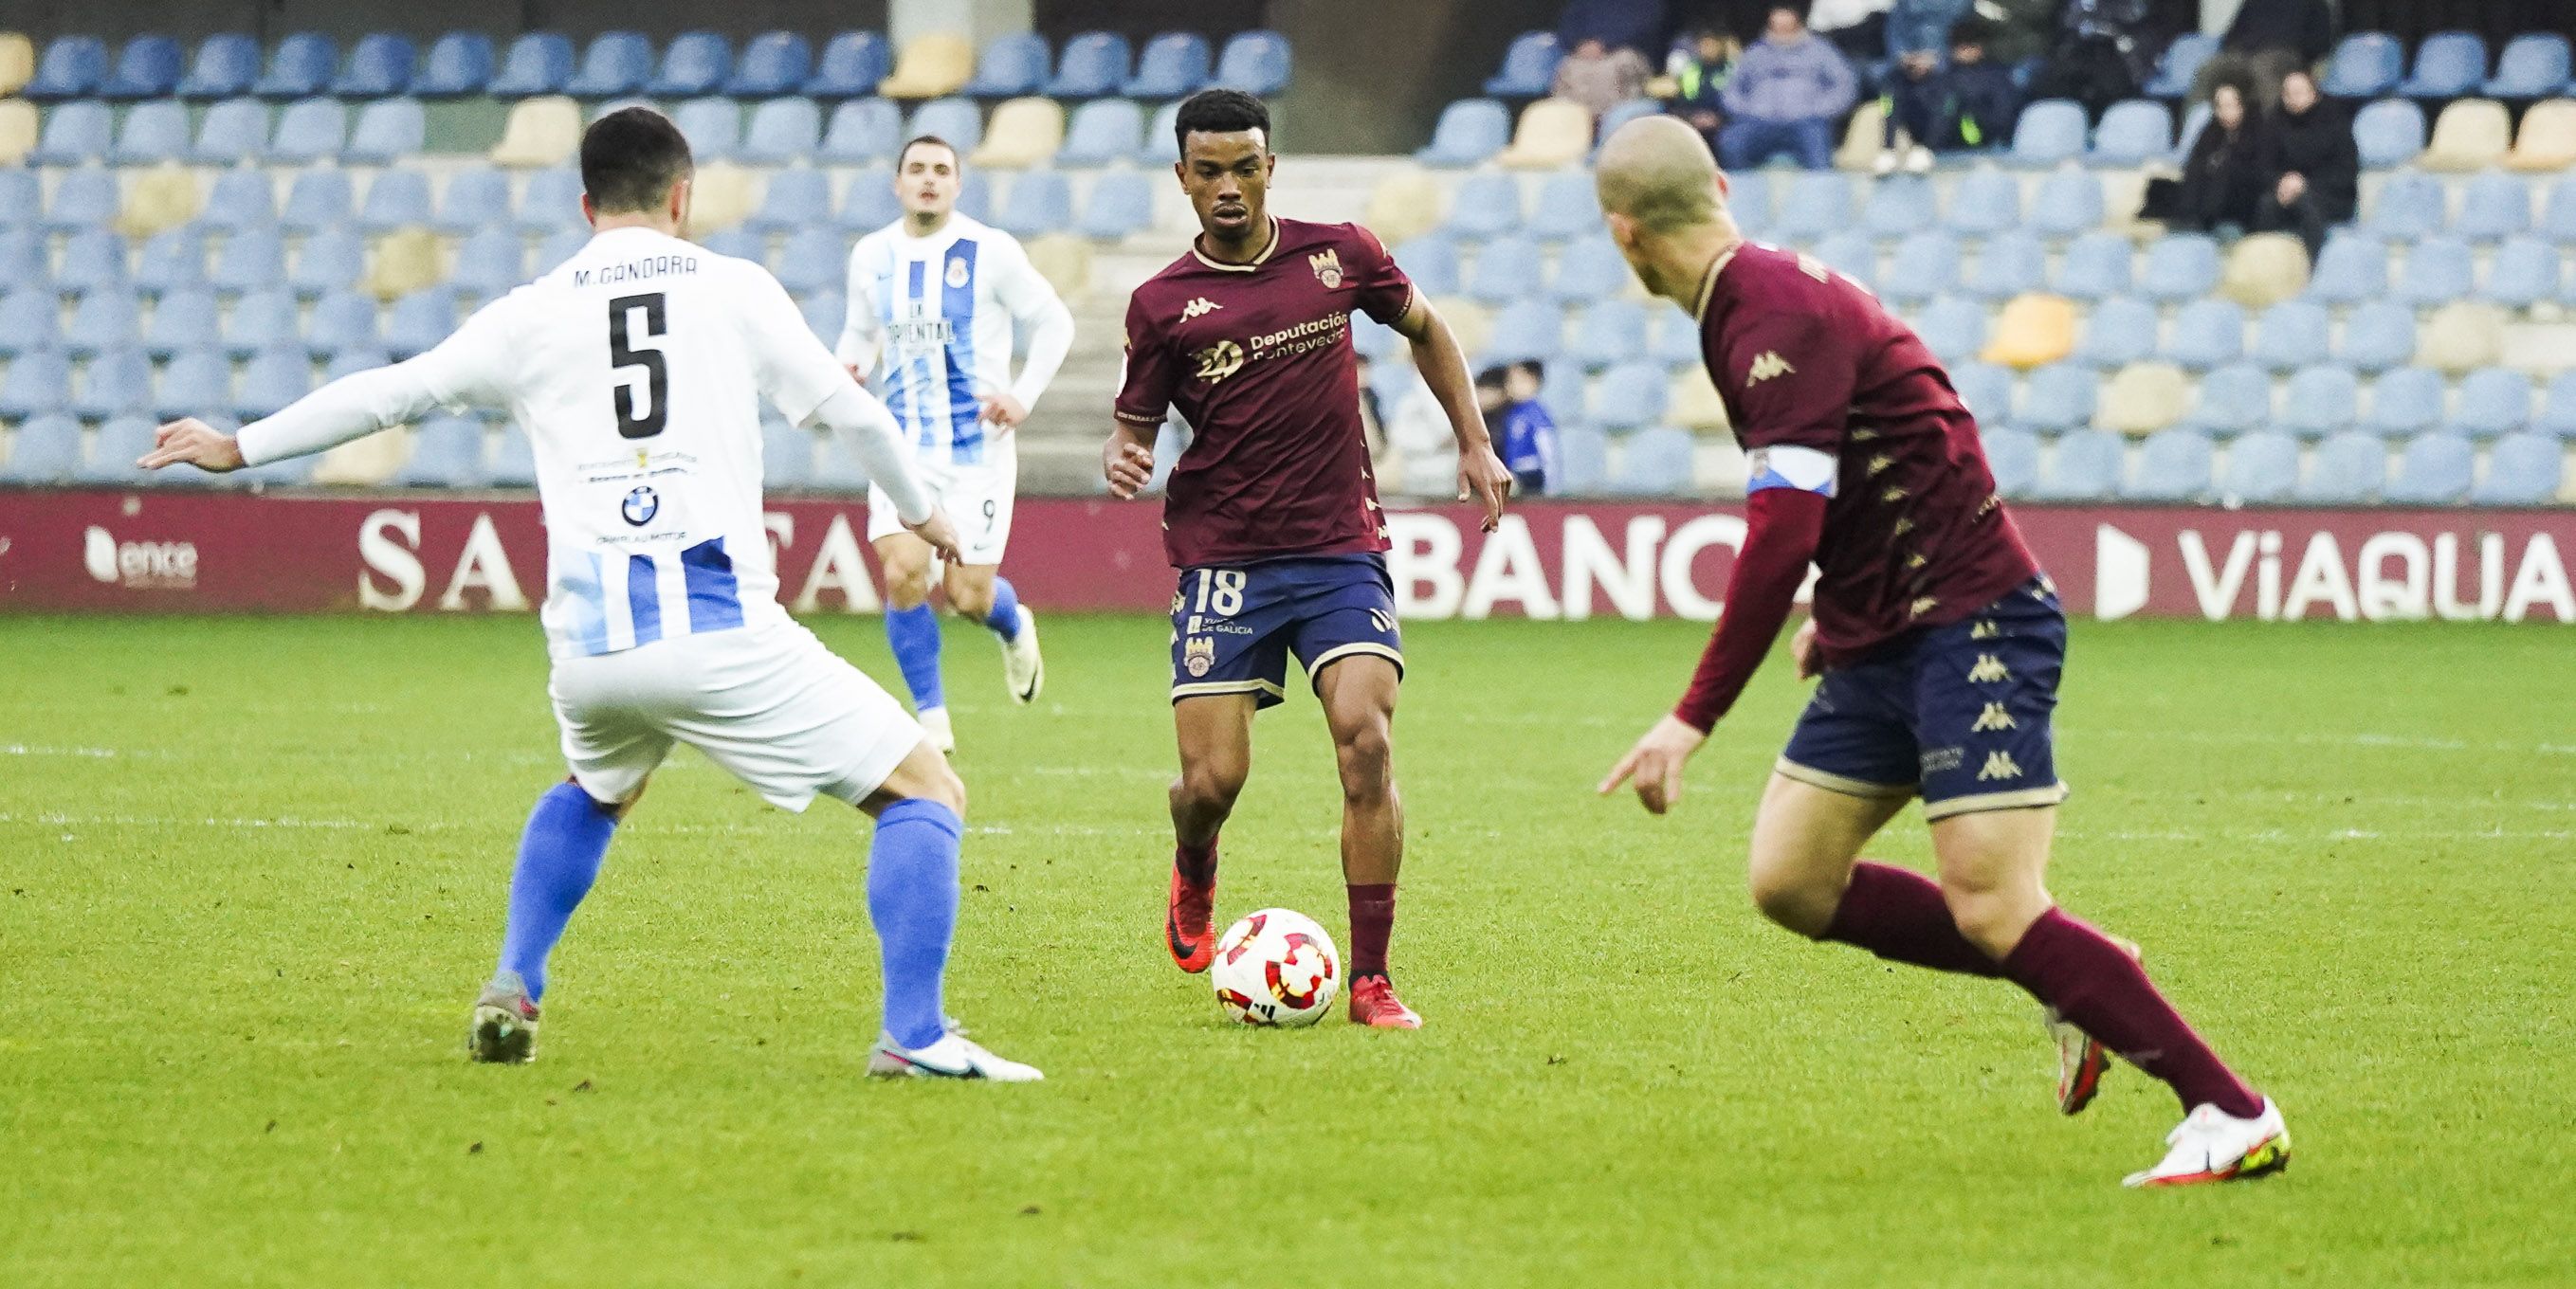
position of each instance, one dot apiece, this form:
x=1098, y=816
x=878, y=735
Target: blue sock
x=559, y=858
x=914, y=633
x=912, y=898
x=1005, y=617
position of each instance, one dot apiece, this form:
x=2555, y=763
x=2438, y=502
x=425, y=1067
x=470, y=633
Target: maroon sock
x=1372, y=921
x=1196, y=864
x=2095, y=984
x=1899, y=915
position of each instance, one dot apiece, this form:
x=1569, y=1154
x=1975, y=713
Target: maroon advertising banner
x=204, y=551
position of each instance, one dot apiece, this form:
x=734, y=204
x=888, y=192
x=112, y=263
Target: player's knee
x=1992, y=918
x=1367, y=757
x=1794, y=900
x=1210, y=786
x=907, y=582
x=970, y=600
x=943, y=786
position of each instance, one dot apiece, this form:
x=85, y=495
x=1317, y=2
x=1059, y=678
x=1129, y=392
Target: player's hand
x=857, y=373
x=1004, y=412
x=1482, y=478
x=1802, y=649
x=189, y=441
x=1656, y=764
x=1128, y=465
x=941, y=534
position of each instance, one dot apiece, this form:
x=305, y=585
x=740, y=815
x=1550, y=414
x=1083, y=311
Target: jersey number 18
x=622, y=354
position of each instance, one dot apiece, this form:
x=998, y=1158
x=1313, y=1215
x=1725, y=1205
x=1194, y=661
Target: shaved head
x=1657, y=171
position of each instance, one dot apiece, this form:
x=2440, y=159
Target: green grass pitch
x=252, y=871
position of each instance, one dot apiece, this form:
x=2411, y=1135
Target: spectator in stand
x=1522, y=431
x=1617, y=24
x=1601, y=78
x=1699, y=75
x=2223, y=180
x=1917, y=27
x=2018, y=29
x=1964, y=107
x=2268, y=38
x=2312, y=170
x=1856, y=27
x=1787, y=92
x=2106, y=50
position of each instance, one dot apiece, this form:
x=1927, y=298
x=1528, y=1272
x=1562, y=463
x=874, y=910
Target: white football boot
x=952, y=1057
x=1023, y=669
x=935, y=726
x=2214, y=1146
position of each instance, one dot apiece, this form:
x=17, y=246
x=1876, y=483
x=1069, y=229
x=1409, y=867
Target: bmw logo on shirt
x=640, y=506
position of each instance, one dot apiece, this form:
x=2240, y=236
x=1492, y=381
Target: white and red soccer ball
x=1276, y=967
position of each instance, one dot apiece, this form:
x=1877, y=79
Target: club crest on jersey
x=1219, y=360
x=1198, y=655
x=1199, y=308
x=1767, y=366
x=956, y=271
x=640, y=506
x=1328, y=268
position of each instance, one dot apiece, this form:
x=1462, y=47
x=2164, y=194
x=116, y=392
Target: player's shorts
x=1234, y=627
x=1960, y=714
x=977, y=498
x=769, y=703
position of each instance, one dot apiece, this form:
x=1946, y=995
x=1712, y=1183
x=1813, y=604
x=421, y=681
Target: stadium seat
x=1898, y=205
x=460, y=63
x=396, y=199
x=1025, y=132
x=2432, y=470
x=1628, y=397
x=860, y=131
x=273, y=378
x=2558, y=211
x=1926, y=266
x=614, y=65
x=2234, y=399
x=2352, y=268
x=2471, y=134
x=30, y=319
x=539, y=63
x=22, y=199
x=159, y=198
x=148, y=67
x=17, y=61
x=1094, y=64
x=721, y=197
x=171, y=260
x=446, y=452
x=328, y=261
x=317, y=200
x=1064, y=261
x=2143, y=398
x=309, y=130
x=388, y=130
x=2557, y=415
x=713, y=127
x=47, y=449
x=2133, y=133
x=2320, y=400
x=1530, y=331
x=552, y=202
x=2349, y=469
x=83, y=200
x=2207, y=334
x=1256, y=62
x=1590, y=268
x=795, y=199
x=300, y=67
x=38, y=383
x=1172, y=65
x=2063, y=396
x=2117, y=332
x=153, y=133
x=2547, y=140
x=514, y=461
x=2462, y=336
x=1528, y=69
x=2180, y=64
x=1748, y=199
x=70, y=68
x=103, y=320
x=2263, y=269
x=2068, y=205
x=1121, y=205
x=418, y=321
x=2033, y=330
x=19, y=132
x=2405, y=401
x=1012, y=65
x=1159, y=144
x=1655, y=463
x=2438, y=269
x=1954, y=328
x=868, y=203
x=2389, y=133
x=2533, y=65
x=933, y=66
x=226, y=64
x=186, y=319
x=1469, y=131
x=2179, y=267
x=113, y=383
x=2410, y=204
x=2379, y=335
x=75, y=132
x=380, y=65
x=234, y=131
x=774, y=63
x=696, y=63
x=2522, y=470
x=2174, y=465
x=341, y=319
x=1432, y=262
x=266, y=318
x=1608, y=333
x=743, y=244
x=1852, y=254
x=1503, y=270
x=1621, y=113
x=126, y=436
x=2366, y=65
x=2013, y=456
x=1485, y=206
x=2262, y=466
x=2495, y=207
x=2008, y=265
x=2522, y=273
x=241, y=199
x=1818, y=203
x=2050, y=131
x=93, y=260
x=1102, y=132
x=853, y=63
x=1692, y=402
x=250, y=260
x=815, y=260
x=539, y=132
x=2447, y=65
x=490, y=262
x=1040, y=201
x=472, y=199
x=1864, y=138
x=1986, y=389
x=2095, y=267
x=1986, y=202
x=954, y=119
x=2084, y=465
x=2494, y=401
x=1583, y=461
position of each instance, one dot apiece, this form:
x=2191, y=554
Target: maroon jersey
x=1914, y=535
x=1258, y=359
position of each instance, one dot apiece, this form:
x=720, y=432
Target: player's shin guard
x=1900, y=916
x=1372, y=923
x=559, y=854
x=912, y=898
x=914, y=635
x=1004, y=619
x=2097, y=986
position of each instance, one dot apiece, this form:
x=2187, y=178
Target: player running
x=1271, y=516
x=1938, y=642
x=637, y=368
x=933, y=300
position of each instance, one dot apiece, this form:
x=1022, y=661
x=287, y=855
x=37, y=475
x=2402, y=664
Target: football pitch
x=255, y=871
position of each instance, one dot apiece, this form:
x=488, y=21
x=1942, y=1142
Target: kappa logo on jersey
x=1993, y=718
x=1328, y=268
x=1769, y=365
x=957, y=272
x=1198, y=656
x=1999, y=765
x=640, y=506
x=1219, y=360
x=1199, y=308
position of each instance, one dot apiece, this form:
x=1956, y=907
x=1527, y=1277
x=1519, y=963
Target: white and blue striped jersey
x=933, y=319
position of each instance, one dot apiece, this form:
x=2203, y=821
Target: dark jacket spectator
x=2223, y=178
x=1617, y=24
x=1699, y=82
x=1787, y=92
x=1966, y=106
x=1601, y=78
x=2268, y=38
x=2105, y=51
x=1922, y=26
x=2312, y=170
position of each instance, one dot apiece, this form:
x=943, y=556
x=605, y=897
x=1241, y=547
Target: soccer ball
x=1276, y=967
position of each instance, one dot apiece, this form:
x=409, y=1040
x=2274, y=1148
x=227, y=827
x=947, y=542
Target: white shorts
x=977, y=498
x=769, y=703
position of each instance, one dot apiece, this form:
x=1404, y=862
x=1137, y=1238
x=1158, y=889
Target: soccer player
x=637, y=369
x=1938, y=641
x=933, y=300
x=1271, y=515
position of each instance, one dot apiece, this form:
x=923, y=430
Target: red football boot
x=1189, y=925
x=1374, y=1004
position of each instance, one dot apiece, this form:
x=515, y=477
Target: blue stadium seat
x=1986, y=202
x=1620, y=114
x=379, y=66
x=1655, y=462
x=2320, y=400
x=2366, y=65
x=2180, y=267
x=2085, y=465
x=2233, y=399
x=460, y=63
x=539, y=62
x=2494, y=402
x=225, y=65
x=2447, y=65
x=2069, y=204
x=103, y=320
x=126, y=436
x=198, y=382
x=30, y=319
x=2496, y=206
x=2008, y=265
x=418, y=321
x=862, y=130
x=1432, y=262
x=2296, y=333
x=1852, y=254
x=1121, y=205
x=388, y=130
x=955, y=119
x=781, y=130
x=2533, y=65
x=868, y=202
x=696, y=63
x=173, y=259
x=1011, y=65
x=1172, y=65
x=551, y=202
x=852, y=64
x=39, y=383
x=250, y=260
x=816, y=259
x=1503, y=270
x=2557, y=415
x=774, y=63
x=22, y=199
x=1954, y=329
x=2389, y=133
x=93, y=260
x=84, y=201
x=2181, y=62
x=1676, y=341
x=2261, y=466
x=473, y=199
x=490, y=262
x=2522, y=470
x=1986, y=389
x=1817, y=203
x=234, y=131
x=2379, y=335
x=318, y=199
x=1589, y=269
x=2119, y=331
x=1255, y=62
x=342, y=319
x=1629, y=396
x=713, y=127
x=75, y=132
x=153, y=132
x=2060, y=396
x=1608, y=333
x=1040, y=201
x=1372, y=342
x=446, y=452
x=309, y=130
x=1528, y=69
x=742, y=244
x=328, y=261
x=396, y=199
x=614, y=65
x=2405, y=401
x=1583, y=462
x=2194, y=120
x=148, y=67
x=273, y=378
x=2432, y=470
x=300, y=67
x=183, y=320
x=2410, y=204
x=2438, y=271
x=2349, y=469
x=825, y=313
x=2134, y=132
x=2096, y=267
x=796, y=199
x=514, y=461
x=70, y=68
x=2013, y=456
x=1159, y=147
x=1926, y=266
x=2558, y=211
x=1469, y=131
x=1530, y=331
x=2207, y=334
x=47, y=450
x=2173, y=465
x=1899, y=205
x=1484, y=206
x=2050, y=131
x=1101, y=132
x=263, y=319
x=1748, y=198
x=114, y=383
x=2352, y=268
x=1094, y=64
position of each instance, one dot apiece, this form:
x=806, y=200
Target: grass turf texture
x=256, y=869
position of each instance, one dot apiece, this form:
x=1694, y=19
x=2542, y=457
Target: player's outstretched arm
x=1443, y=364
x=189, y=441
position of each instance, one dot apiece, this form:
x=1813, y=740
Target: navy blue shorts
x=1960, y=714
x=1234, y=627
